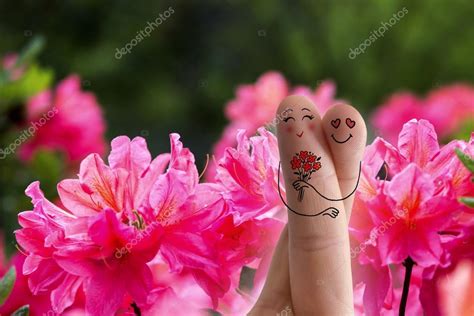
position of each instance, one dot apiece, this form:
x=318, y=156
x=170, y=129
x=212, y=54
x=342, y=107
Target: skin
x=310, y=271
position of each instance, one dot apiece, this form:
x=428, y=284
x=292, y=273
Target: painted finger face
x=297, y=120
x=342, y=132
x=343, y=124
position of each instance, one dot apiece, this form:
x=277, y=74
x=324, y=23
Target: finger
x=319, y=261
x=346, y=134
x=275, y=295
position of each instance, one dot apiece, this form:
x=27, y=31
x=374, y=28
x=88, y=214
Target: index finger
x=317, y=227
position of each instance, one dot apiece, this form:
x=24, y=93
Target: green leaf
x=466, y=159
x=464, y=131
x=22, y=311
x=34, y=80
x=469, y=201
x=6, y=284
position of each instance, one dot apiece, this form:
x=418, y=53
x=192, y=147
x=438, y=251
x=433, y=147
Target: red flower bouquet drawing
x=305, y=163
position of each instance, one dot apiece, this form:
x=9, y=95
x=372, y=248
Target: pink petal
x=147, y=181
x=380, y=152
x=132, y=156
x=75, y=199
x=64, y=295
x=139, y=283
x=182, y=159
x=410, y=188
x=31, y=263
x=418, y=142
x=105, y=292
x=109, y=233
x=108, y=186
x=203, y=209
x=181, y=250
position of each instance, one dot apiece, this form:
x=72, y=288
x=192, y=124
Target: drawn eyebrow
x=305, y=109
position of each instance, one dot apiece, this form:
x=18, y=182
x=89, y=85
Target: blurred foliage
x=180, y=77
x=6, y=284
x=468, y=162
x=34, y=80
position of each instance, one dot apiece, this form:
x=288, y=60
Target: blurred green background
x=180, y=77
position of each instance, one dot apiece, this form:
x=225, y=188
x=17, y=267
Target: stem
x=300, y=194
x=136, y=309
x=408, y=264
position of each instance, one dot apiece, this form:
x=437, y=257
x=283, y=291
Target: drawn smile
x=300, y=134
x=339, y=142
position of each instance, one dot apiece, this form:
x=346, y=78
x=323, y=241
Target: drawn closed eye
x=310, y=117
x=288, y=118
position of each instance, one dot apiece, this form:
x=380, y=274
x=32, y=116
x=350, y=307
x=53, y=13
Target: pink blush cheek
x=289, y=129
x=312, y=126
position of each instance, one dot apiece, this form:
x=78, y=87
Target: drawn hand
x=299, y=184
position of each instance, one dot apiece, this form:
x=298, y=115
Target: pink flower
x=118, y=218
x=447, y=108
x=436, y=174
x=411, y=211
x=254, y=106
x=42, y=228
x=418, y=144
x=249, y=175
x=267, y=92
x=389, y=118
x=250, y=244
x=409, y=201
x=323, y=96
x=68, y=120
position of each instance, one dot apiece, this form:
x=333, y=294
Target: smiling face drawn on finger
x=297, y=121
x=342, y=132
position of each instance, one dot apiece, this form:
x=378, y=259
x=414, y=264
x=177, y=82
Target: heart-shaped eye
x=350, y=123
x=335, y=123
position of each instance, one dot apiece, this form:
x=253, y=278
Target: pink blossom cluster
x=68, y=119
x=75, y=127
x=412, y=211
x=143, y=233
x=254, y=105
x=146, y=233
x=448, y=108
